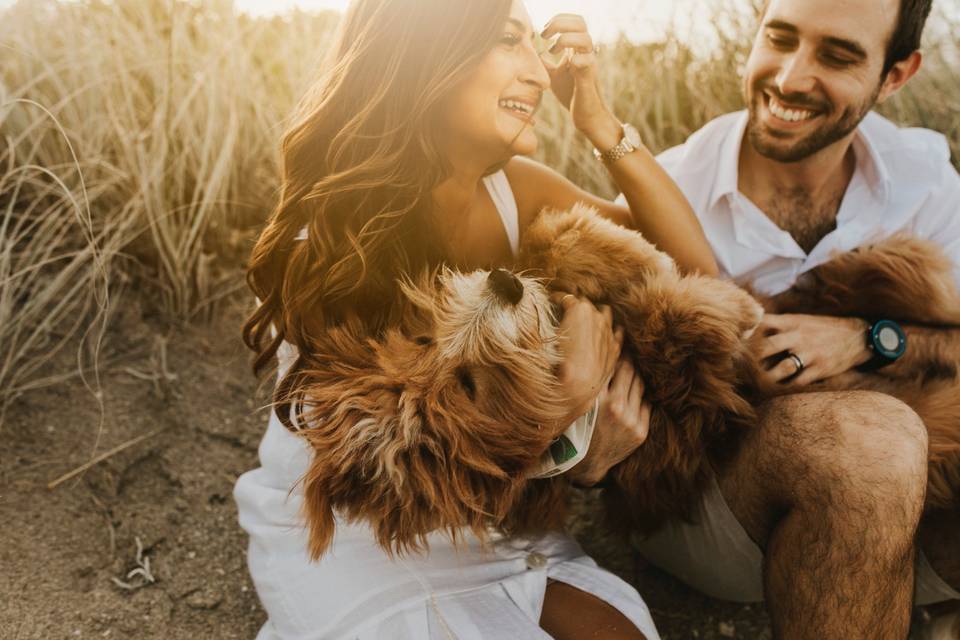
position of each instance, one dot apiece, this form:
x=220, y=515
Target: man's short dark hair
x=907, y=33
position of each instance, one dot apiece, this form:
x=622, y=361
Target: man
x=817, y=512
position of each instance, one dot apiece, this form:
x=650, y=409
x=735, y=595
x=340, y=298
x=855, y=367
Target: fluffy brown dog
x=911, y=281
x=437, y=425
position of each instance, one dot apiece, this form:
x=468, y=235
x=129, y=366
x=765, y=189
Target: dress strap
x=502, y=195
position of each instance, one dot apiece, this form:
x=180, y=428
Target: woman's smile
x=520, y=108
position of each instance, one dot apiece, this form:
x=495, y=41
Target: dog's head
x=436, y=425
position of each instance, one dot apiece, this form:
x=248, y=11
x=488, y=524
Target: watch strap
x=621, y=149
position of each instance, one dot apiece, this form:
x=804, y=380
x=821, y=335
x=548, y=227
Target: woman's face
x=490, y=113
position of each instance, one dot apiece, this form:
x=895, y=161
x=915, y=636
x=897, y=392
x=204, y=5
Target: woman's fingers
x=581, y=42
x=637, y=389
x=622, y=378
x=564, y=22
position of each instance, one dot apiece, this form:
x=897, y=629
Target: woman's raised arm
x=657, y=207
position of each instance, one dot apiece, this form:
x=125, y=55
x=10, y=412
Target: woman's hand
x=622, y=425
x=574, y=80
x=589, y=347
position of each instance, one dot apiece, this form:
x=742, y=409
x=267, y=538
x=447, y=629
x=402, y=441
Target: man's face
x=814, y=72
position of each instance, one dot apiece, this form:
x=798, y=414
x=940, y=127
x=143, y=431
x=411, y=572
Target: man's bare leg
x=831, y=486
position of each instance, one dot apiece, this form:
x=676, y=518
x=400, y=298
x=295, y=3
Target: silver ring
x=796, y=360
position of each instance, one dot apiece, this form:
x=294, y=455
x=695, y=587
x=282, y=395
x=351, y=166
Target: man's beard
x=820, y=138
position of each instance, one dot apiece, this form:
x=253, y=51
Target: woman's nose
x=506, y=286
x=535, y=72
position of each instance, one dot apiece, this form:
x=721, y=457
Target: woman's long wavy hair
x=359, y=164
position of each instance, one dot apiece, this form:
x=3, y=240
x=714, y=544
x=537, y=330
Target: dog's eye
x=466, y=381
x=423, y=340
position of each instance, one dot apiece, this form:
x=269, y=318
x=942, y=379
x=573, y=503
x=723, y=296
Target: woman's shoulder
x=536, y=186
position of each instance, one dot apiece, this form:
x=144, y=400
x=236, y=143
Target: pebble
x=205, y=599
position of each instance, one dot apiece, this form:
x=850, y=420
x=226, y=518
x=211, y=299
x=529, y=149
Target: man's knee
x=869, y=458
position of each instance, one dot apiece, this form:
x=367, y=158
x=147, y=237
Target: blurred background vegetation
x=138, y=150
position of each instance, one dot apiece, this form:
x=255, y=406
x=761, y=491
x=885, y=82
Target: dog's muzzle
x=506, y=286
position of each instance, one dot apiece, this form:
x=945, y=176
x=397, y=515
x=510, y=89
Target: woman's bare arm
x=658, y=209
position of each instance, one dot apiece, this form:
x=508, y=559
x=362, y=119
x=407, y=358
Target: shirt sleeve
x=940, y=219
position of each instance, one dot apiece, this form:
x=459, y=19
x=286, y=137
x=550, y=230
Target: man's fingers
x=808, y=376
x=773, y=321
x=777, y=343
x=563, y=22
x=787, y=368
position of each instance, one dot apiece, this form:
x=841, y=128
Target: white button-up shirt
x=903, y=181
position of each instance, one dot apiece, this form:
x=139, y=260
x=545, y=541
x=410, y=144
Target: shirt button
x=536, y=561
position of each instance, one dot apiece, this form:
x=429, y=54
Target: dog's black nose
x=506, y=286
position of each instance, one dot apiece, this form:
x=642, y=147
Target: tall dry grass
x=139, y=146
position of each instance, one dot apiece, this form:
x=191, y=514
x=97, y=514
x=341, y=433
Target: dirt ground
x=146, y=544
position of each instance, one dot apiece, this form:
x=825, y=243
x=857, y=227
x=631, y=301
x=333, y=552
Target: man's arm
x=829, y=346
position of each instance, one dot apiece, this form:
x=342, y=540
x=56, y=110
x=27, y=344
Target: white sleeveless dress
x=356, y=592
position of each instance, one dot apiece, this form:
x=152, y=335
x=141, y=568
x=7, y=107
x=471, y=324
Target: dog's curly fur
x=437, y=425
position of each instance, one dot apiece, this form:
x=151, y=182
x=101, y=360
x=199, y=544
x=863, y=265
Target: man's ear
x=899, y=74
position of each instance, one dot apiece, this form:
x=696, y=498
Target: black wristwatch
x=886, y=342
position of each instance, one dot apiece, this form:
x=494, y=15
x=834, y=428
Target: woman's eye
x=510, y=39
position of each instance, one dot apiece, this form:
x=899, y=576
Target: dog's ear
x=318, y=512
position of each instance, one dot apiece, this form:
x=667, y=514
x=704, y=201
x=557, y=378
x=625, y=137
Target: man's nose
x=797, y=74
x=506, y=286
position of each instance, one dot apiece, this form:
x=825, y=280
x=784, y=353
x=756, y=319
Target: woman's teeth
x=790, y=115
x=517, y=106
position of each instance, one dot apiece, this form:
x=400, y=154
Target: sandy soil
x=69, y=557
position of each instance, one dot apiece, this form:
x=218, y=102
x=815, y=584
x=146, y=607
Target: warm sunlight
x=640, y=20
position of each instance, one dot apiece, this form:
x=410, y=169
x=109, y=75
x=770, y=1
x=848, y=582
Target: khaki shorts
x=716, y=556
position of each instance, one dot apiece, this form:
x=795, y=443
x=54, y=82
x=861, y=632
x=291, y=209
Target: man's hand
x=827, y=346
x=622, y=425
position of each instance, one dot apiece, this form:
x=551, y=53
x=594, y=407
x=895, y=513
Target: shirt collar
x=729, y=161
x=869, y=163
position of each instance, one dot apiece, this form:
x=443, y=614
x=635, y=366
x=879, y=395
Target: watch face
x=889, y=339
x=632, y=135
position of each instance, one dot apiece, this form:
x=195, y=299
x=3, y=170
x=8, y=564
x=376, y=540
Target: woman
x=407, y=155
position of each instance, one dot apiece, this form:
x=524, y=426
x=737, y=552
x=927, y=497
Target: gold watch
x=629, y=143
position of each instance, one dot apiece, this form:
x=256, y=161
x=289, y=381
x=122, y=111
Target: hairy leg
x=938, y=536
x=831, y=487
x=571, y=614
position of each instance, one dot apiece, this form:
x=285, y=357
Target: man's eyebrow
x=851, y=47
x=780, y=25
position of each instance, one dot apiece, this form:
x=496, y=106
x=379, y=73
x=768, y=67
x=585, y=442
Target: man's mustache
x=801, y=100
